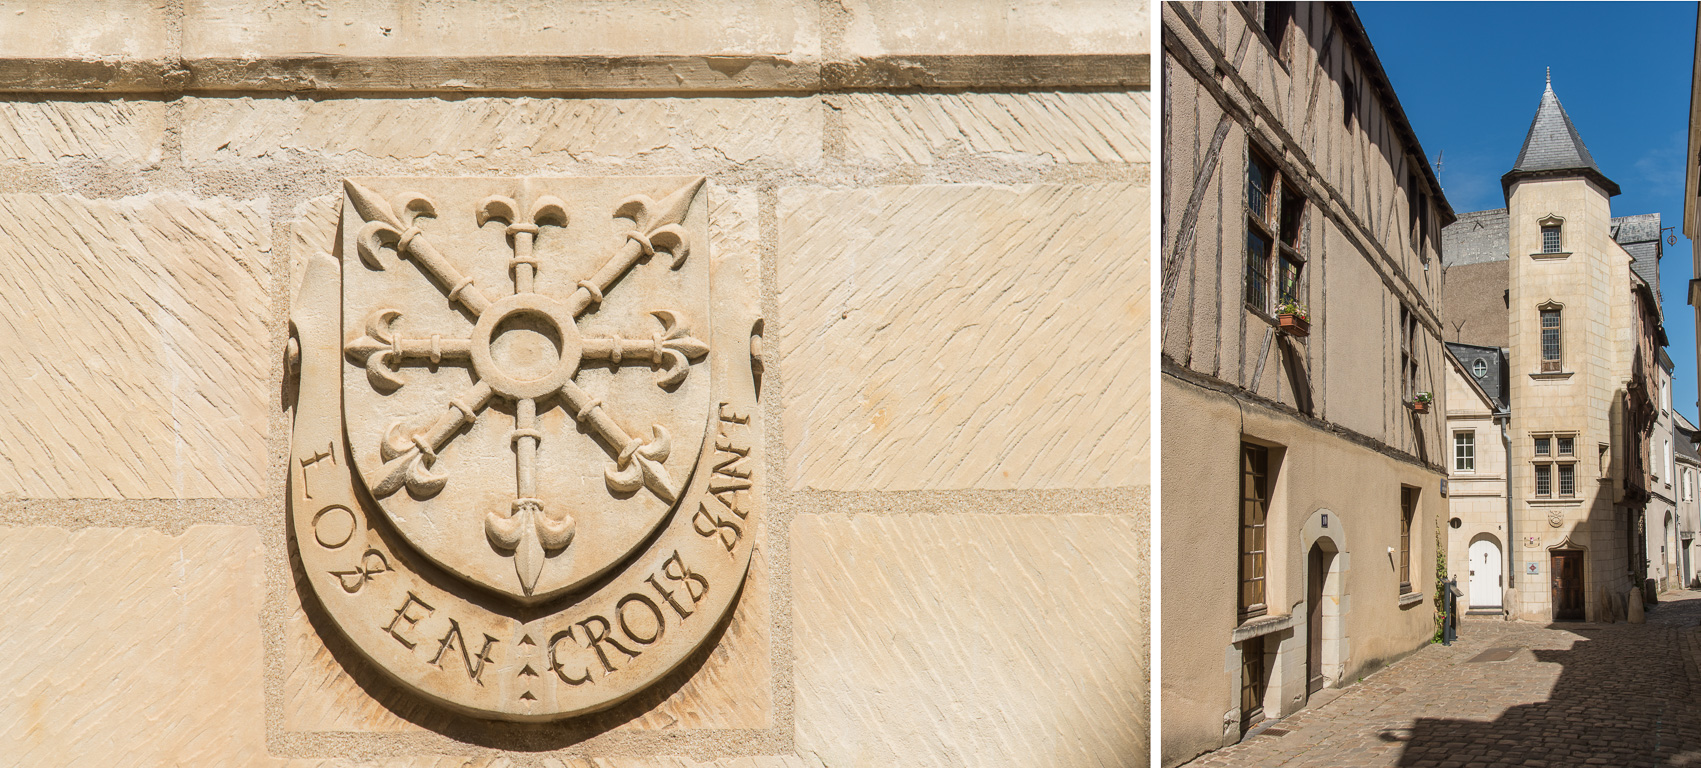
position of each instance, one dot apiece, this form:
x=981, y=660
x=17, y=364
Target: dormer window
x=1479, y=368
x=1553, y=237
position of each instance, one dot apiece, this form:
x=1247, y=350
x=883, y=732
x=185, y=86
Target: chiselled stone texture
x=111, y=131
x=133, y=29
x=669, y=761
x=953, y=337
x=134, y=346
x=128, y=647
x=970, y=640
x=732, y=690
x=1016, y=27
x=498, y=129
x=1065, y=127
x=235, y=28
x=419, y=761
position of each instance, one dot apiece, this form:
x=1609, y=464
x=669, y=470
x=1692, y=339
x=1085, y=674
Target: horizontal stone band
x=575, y=74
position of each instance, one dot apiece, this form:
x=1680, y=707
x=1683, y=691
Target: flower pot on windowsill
x=1294, y=325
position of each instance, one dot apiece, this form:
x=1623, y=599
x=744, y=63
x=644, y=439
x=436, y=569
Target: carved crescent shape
x=659, y=446
x=414, y=205
x=499, y=207
x=674, y=368
x=624, y=480
x=672, y=240
x=420, y=479
x=378, y=373
x=554, y=534
x=504, y=532
x=638, y=208
x=372, y=238
x=549, y=208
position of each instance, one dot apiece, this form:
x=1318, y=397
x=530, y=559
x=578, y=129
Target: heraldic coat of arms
x=522, y=463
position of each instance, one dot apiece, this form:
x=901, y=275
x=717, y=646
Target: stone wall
x=946, y=211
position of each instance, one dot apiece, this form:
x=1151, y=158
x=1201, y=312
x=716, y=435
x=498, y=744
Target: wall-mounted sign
x=1532, y=568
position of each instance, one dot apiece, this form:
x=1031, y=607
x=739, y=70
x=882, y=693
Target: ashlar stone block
x=129, y=647
x=970, y=640
x=967, y=27
x=954, y=337
x=1056, y=127
x=134, y=354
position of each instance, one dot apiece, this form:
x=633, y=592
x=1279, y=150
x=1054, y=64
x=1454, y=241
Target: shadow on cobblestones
x=1624, y=697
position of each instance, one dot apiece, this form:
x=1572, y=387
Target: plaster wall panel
x=129, y=647
x=232, y=28
x=83, y=29
x=117, y=132
x=1359, y=373
x=880, y=27
x=1053, y=127
x=894, y=664
x=133, y=338
x=950, y=337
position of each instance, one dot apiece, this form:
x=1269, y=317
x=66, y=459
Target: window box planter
x=1294, y=325
x=1418, y=406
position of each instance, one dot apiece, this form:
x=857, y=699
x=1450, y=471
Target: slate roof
x=1640, y=236
x=1553, y=147
x=1686, y=445
x=1475, y=238
x=1494, y=381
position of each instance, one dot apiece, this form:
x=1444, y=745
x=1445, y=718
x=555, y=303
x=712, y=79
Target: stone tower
x=1571, y=335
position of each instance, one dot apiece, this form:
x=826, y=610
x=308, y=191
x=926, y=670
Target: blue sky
x=1470, y=76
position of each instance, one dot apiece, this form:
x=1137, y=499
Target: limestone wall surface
x=945, y=211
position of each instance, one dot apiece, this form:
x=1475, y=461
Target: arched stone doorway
x=1486, y=577
x=1325, y=598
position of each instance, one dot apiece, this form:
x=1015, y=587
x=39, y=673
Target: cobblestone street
x=1584, y=694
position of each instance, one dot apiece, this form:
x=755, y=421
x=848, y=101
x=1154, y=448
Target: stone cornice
x=569, y=75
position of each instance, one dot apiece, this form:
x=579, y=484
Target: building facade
x=1688, y=508
x=1478, y=483
x=1661, y=525
x=1303, y=465
x=1572, y=294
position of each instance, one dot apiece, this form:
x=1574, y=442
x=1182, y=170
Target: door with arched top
x=1485, y=575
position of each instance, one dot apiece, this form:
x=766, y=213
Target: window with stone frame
x=1408, y=507
x=1554, y=459
x=1465, y=451
x=1552, y=338
x=1254, y=511
x=1275, y=223
x=1551, y=242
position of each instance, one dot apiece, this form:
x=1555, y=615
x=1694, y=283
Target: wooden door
x=1315, y=565
x=1485, y=576
x=1567, y=571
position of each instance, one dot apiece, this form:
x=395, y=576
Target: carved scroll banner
x=523, y=465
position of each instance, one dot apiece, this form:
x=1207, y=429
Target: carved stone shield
x=521, y=383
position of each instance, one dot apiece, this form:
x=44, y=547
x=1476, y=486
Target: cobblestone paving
x=1572, y=695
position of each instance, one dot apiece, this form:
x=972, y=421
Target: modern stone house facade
x=1572, y=294
x=1302, y=479
x=1481, y=521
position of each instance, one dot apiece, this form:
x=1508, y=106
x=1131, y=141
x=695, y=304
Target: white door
x=1485, y=574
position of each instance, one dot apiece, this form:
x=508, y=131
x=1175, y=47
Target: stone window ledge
x=1557, y=255
x=1263, y=625
x=1569, y=501
x=1552, y=376
x=1410, y=598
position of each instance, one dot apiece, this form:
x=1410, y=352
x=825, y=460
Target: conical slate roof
x=1553, y=148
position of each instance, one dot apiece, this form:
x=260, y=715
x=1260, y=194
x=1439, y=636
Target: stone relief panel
x=523, y=465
